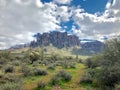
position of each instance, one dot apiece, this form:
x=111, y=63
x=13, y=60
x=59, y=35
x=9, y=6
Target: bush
x=110, y=64
x=86, y=78
x=38, y=72
x=65, y=64
x=109, y=76
x=3, y=61
x=54, y=80
x=79, y=61
x=64, y=75
x=35, y=64
x=60, y=76
x=16, y=63
x=1, y=75
x=88, y=63
x=117, y=87
x=1, y=66
x=51, y=67
x=44, y=62
x=40, y=85
x=59, y=63
x=72, y=65
x=12, y=78
x=8, y=69
x=25, y=70
x=10, y=86
x=5, y=54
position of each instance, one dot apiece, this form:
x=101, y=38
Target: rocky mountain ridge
x=57, y=39
x=63, y=39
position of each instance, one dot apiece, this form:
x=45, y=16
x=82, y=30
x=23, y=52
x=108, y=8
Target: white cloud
x=62, y=1
x=63, y=14
x=20, y=19
x=108, y=4
x=39, y=3
x=95, y=26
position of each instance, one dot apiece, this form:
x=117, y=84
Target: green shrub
x=60, y=76
x=110, y=64
x=40, y=85
x=51, y=67
x=25, y=70
x=65, y=65
x=3, y=61
x=72, y=65
x=2, y=78
x=44, y=62
x=88, y=63
x=117, y=87
x=35, y=64
x=54, y=80
x=5, y=54
x=60, y=73
x=10, y=77
x=109, y=76
x=59, y=63
x=38, y=72
x=1, y=75
x=79, y=61
x=16, y=63
x=64, y=75
x=10, y=86
x=1, y=66
x=86, y=78
x=8, y=69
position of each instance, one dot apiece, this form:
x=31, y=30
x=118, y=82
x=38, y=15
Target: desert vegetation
x=47, y=68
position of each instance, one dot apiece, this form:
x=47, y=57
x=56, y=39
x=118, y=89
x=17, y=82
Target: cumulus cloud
x=62, y=1
x=63, y=14
x=97, y=25
x=108, y=4
x=21, y=19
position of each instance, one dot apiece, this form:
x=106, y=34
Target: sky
x=20, y=20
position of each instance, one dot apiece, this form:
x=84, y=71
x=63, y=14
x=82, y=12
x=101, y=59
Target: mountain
x=63, y=39
x=57, y=39
x=92, y=46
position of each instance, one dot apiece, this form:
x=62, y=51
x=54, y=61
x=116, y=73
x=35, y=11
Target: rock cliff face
x=57, y=39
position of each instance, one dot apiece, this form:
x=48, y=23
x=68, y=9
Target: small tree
x=110, y=70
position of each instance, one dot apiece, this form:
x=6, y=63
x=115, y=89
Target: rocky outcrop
x=57, y=39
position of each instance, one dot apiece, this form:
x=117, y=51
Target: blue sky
x=89, y=6
x=20, y=20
